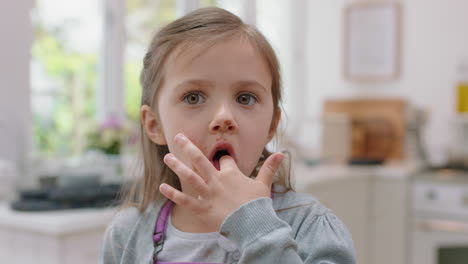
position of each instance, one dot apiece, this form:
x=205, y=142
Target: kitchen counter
x=443, y=176
x=305, y=175
x=57, y=223
x=52, y=237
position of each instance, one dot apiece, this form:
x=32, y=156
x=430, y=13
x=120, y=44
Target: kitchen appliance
x=458, y=149
x=439, y=217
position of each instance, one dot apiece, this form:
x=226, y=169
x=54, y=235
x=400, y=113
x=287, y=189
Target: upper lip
x=223, y=145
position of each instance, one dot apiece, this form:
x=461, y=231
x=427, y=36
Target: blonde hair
x=208, y=26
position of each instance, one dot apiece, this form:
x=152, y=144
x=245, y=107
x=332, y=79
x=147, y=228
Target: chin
x=249, y=172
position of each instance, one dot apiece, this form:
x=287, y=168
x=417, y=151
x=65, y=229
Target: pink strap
x=161, y=223
x=183, y=263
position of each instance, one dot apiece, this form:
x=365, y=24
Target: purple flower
x=111, y=123
x=133, y=139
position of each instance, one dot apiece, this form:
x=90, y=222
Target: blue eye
x=194, y=98
x=246, y=99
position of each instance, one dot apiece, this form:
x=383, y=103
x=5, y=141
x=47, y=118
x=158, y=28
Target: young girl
x=210, y=104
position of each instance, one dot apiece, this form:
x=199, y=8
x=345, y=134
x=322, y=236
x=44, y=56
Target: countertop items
x=306, y=175
x=378, y=126
x=59, y=198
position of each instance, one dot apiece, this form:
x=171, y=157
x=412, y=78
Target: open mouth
x=220, y=151
x=218, y=156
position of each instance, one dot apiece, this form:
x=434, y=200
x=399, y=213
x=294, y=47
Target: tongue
x=216, y=160
x=216, y=164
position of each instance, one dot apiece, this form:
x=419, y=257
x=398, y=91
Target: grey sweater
x=291, y=228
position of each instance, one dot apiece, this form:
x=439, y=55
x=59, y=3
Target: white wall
x=15, y=117
x=434, y=39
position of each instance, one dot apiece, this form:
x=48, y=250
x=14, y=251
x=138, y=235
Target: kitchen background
x=69, y=105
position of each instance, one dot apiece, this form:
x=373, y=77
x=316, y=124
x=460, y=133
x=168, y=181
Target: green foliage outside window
x=132, y=90
x=143, y=19
x=75, y=76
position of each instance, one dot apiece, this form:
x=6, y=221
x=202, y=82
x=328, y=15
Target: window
x=142, y=19
x=64, y=72
x=71, y=75
x=84, y=66
x=206, y=3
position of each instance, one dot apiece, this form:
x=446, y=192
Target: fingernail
x=169, y=157
x=280, y=158
x=179, y=138
x=163, y=187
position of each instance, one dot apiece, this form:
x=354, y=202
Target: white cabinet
x=391, y=221
x=371, y=201
x=59, y=237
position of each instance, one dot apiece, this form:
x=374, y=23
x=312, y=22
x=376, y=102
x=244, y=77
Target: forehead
x=233, y=59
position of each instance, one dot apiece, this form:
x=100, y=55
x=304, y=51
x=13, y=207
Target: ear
x=152, y=126
x=274, y=124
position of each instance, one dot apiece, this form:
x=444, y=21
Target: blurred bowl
x=79, y=177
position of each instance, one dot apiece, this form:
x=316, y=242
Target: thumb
x=269, y=168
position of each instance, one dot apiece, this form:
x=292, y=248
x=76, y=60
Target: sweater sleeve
x=113, y=242
x=263, y=237
x=111, y=248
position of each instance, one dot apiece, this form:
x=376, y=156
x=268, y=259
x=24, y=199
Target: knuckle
x=270, y=168
x=198, y=158
x=192, y=177
x=230, y=170
x=183, y=200
x=174, y=165
x=187, y=146
x=179, y=170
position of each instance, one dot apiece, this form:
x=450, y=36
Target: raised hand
x=219, y=192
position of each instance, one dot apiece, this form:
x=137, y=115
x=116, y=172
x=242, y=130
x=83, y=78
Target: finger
x=180, y=198
x=186, y=175
x=226, y=162
x=196, y=157
x=269, y=168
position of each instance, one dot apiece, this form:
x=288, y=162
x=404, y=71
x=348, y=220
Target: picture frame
x=371, y=45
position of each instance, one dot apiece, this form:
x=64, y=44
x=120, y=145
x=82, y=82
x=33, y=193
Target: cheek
x=251, y=154
x=174, y=123
x=190, y=132
x=253, y=143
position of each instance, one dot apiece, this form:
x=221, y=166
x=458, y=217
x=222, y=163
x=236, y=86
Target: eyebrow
x=199, y=83
x=250, y=83
x=206, y=83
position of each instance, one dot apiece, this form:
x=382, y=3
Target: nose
x=223, y=121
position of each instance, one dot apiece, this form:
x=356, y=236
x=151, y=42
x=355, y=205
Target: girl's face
x=218, y=97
